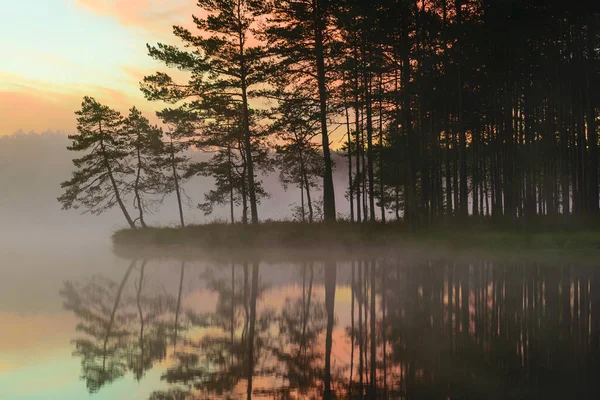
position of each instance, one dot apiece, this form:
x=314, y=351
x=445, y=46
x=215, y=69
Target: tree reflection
x=493, y=331
x=437, y=330
x=103, y=320
x=330, y=283
x=217, y=361
x=301, y=321
x=151, y=342
x=119, y=332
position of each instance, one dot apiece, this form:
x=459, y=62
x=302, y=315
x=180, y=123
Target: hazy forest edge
x=443, y=125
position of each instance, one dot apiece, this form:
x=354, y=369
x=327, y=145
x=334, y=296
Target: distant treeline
x=447, y=108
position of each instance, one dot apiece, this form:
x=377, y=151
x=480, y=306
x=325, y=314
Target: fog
x=44, y=251
x=42, y=245
x=32, y=166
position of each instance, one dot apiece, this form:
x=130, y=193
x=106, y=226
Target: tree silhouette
x=144, y=142
x=297, y=32
x=300, y=162
x=223, y=54
x=98, y=183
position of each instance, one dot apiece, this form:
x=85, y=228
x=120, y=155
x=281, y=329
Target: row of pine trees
x=447, y=108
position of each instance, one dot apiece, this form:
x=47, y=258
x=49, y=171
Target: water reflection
x=107, y=341
x=365, y=329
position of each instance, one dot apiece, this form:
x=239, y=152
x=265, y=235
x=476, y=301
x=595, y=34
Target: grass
x=344, y=238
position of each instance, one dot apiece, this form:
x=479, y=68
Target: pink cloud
x=151, y=15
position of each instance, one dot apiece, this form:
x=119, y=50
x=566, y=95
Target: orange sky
x=61, y=50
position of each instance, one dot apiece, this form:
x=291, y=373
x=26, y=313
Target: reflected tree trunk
x=373, y=379
x=253, y=296
x=306, y=313
x=232, y=309
x=138, y=301
x=178, y=307
x=384, y=327
x=114, y=311
x=330, y=283
x=351, y=329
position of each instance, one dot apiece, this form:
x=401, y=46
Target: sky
x=54, y=52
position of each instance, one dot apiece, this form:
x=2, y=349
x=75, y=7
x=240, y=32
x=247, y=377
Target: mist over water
x=436, y=330
x=32, y=166
x=154, y=329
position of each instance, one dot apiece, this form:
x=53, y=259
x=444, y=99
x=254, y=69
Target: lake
x=85, y=324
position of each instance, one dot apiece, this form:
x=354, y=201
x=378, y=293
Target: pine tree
x=300, y=162
x=100, y=179
x=223, y=136
x=224, y=66
x=174, y=162
x=144, y=143
x=297, y=33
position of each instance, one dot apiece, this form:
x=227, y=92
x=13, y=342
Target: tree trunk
x=230, y=177
x=464, y=194
x=446, y=124
x=114, y=184
x=357, y=178
x=302, y=208
x=176, y=181
x=475, y=176
x=328, y=191
x=349, y=153
x=246, y=128
x=307, y=188
x=381, y=184
x=136, y=188
x=591, y=117
x=409, y=192
x=244, y=191
x=369, y=114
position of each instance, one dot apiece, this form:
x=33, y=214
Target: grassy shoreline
x=347, y=239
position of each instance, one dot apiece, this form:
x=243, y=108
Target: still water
x=95, y=326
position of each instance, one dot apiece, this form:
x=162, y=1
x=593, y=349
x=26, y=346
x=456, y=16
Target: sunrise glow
x=60, y=50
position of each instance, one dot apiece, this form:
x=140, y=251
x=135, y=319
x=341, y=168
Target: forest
x=441, y=109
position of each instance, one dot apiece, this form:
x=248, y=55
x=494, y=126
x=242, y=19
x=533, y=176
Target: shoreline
x=343, y=240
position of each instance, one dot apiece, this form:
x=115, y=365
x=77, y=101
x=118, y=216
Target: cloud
x=149, y=15
x=32, y=105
